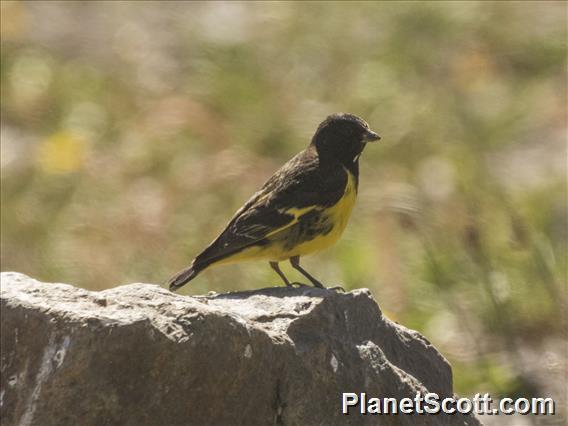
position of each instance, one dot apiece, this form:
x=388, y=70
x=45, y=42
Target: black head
x=342, y=137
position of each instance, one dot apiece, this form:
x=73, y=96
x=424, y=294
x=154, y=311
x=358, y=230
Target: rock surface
x=140, y=355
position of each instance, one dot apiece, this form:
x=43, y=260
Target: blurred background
x=131, y=132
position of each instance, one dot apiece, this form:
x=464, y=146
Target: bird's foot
x=297, y=284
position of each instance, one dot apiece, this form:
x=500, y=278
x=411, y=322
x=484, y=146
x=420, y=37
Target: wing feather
x=298, y=188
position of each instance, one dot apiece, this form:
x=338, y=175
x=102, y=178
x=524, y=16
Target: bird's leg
x=295, y=262
x=274, y=265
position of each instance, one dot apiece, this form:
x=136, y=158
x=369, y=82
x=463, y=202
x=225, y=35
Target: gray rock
x=140, y=355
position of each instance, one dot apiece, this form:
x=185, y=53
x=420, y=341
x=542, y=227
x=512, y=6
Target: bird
x=302, y=209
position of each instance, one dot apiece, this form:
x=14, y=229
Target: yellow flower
x=62, y=152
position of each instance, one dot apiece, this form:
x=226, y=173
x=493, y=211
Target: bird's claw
x=298, y=284
x=337, y=288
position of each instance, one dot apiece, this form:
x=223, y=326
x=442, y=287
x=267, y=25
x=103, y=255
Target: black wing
x=300, y=186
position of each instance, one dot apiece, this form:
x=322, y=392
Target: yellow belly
x=275, y=250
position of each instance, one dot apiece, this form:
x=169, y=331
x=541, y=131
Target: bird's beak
x=370, y=136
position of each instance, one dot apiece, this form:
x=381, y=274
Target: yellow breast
x=338, y=215
x=276, y=249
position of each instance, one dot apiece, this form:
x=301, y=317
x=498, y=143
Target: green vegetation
x=131, y=132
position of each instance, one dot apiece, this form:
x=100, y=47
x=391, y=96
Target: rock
x=140, y=355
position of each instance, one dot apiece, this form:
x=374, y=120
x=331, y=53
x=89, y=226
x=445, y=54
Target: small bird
x=303, y=208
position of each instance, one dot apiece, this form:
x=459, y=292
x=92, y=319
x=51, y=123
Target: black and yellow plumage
x=303, y=208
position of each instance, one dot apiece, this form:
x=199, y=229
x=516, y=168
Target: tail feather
x=207, y=258
x=183, y=277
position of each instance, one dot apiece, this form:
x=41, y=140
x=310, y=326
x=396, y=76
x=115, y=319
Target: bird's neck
x=327, y=160
x=353, y=168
